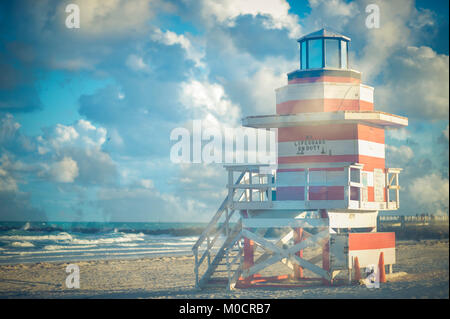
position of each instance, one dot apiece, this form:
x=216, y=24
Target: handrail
x=348, y=184
x=216, y=217
x=212, y=242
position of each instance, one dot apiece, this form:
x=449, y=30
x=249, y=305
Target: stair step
x=219, y=258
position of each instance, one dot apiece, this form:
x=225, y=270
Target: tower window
x=303, y=55
x=332, y=53
x=344, y=54
x=321, y=50
x=315, y=57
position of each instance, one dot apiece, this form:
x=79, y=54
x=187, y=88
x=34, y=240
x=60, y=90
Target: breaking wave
x=22, y=244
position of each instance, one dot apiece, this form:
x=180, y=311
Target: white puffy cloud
x=401, y=134
x=112, y=17
x=431, y=192
x=333, y=13
x=81, y=134
x=226, y=11
x=381, y=44
x=64, y=171
x=63, y=134
x=76, y=151
x=258, y=89
x=208, y=101
x=194, y=53
x=417, y=84
x=399, y=156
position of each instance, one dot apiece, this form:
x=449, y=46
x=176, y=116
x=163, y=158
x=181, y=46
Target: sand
x=422, y=271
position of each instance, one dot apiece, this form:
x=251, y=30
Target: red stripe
x=325, y=79
x=365, y=106
x=362, y=241
x=326, y=193
x=370, y=194
x=318, y=193
x=322, y=105
x=315, y=193
x=291, y=193
x=370, y=163
x=370, y=133
x=335, y=193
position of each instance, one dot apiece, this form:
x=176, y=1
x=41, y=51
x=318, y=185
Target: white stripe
x=373, y=149
x=324, y=90
x=369, y=257
x=332, y=148
x=352, y=220
x=366, y=93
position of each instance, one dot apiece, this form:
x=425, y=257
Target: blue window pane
x=344, y=54
x=332, y=53
x=303, y=54
x=315, y=54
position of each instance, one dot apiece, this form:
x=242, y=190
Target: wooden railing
x=258, y=186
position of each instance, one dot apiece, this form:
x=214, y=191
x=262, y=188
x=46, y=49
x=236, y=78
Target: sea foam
x=22, y=244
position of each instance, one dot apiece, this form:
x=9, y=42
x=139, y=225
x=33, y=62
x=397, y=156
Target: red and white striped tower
x=330, y=183
x=328, y=127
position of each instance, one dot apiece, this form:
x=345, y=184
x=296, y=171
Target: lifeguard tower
x=326, y=192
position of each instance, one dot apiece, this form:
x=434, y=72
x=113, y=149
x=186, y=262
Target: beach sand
x=422, y=271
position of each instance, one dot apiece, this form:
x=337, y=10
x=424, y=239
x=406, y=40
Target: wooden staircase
x=226, y=261
x=228, y=258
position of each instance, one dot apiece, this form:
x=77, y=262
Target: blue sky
x=86, y=114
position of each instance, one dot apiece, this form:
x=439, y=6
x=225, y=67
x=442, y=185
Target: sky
x=86, y=113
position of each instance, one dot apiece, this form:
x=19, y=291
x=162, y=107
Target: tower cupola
x=323, y=49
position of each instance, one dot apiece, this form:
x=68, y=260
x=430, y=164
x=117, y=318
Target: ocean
x=30, y=242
